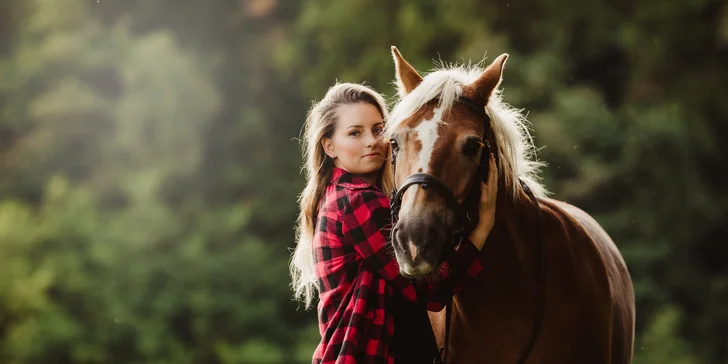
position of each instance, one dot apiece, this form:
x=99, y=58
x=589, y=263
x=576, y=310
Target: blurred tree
x=661, y=343
x=149, y=167
x=117, y=247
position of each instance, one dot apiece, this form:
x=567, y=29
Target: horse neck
x=514, y=238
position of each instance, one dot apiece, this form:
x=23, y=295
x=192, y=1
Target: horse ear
x=481, y=89
x=407, y=77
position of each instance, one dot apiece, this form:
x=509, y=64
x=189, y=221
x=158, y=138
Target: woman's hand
x=488, y=194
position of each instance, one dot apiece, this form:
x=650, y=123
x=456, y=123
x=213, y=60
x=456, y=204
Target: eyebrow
x=361, y=126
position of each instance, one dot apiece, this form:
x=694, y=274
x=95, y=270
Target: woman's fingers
x=490, y=189
x=493, y=177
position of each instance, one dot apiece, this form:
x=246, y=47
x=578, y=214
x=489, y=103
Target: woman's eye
x=354, y=133
x=378, y=131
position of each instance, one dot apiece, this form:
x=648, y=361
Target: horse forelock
x=517, y=152
x=445, y=85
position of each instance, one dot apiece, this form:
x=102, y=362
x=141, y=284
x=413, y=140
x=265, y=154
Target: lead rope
x=540, y=305
x=448, y=317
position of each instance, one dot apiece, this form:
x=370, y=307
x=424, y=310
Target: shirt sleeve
x=366, y=225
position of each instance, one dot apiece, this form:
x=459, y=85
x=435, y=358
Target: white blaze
x=427, y=134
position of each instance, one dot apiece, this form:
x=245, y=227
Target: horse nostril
x=396, y=238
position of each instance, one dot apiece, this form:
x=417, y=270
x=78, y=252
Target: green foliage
x=149, y=172
x=661, y=343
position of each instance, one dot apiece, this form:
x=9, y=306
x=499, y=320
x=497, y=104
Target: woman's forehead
x=364, y=115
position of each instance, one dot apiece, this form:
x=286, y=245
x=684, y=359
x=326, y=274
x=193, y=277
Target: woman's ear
x=328, y=147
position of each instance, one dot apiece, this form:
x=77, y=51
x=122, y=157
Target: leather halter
x=465, y=222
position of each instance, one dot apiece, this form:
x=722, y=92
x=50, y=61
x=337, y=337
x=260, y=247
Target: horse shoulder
x=576, y=242
x=618, y=274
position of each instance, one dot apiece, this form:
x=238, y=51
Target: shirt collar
x=344, y=178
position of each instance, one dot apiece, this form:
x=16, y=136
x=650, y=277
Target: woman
x=343, y=227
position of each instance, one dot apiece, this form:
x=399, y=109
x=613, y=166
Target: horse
x=554, y=288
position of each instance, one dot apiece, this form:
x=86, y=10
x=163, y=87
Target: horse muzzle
x=418, y=245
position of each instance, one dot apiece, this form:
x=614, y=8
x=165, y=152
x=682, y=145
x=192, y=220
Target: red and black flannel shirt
x=358, y=274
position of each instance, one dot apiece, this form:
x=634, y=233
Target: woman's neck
x=370, y=177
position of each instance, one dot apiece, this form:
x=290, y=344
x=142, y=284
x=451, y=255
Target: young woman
x=343, y=227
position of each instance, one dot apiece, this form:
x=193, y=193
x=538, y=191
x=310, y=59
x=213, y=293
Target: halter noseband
x=463, y=217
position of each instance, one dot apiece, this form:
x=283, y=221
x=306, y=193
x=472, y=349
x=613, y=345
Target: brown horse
x=555, y=288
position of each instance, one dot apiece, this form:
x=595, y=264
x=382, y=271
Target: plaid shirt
x=358, y=275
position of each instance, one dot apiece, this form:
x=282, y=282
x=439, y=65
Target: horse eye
x=394, y=144
x=471, y=148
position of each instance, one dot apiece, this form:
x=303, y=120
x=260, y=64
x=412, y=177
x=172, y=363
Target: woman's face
x=356, y=142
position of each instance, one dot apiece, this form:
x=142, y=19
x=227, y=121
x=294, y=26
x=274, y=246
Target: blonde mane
x=510, y=127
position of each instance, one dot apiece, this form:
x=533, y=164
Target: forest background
x=149, y=161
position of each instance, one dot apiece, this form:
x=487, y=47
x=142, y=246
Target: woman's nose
x=371, y=140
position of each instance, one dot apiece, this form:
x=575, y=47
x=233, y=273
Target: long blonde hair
x=321, y=123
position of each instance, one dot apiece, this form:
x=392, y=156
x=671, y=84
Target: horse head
x=440, y=135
